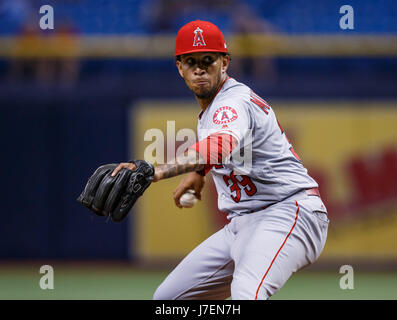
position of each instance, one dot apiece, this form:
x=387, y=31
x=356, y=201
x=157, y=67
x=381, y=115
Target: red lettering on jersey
x=259, y=102
x=236, y=182
x=255, y=96
x=234, y=187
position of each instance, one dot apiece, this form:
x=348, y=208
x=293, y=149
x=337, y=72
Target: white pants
x=252, y=256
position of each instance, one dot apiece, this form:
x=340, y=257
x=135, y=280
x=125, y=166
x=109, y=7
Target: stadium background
x=85, y=93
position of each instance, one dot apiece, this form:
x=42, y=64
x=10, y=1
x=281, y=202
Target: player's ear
x=225, y=62
x=179, y=66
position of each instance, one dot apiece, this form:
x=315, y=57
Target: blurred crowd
x=53, y=55
x=45, y=57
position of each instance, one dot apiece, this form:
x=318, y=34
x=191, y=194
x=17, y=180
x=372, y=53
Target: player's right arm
x=201, y=157
x=197, y=160
x=192, y=180
x=190, y=161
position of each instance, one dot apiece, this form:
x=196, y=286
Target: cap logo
x=198, y=38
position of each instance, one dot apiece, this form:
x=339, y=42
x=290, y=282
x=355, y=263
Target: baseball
x=188, y=199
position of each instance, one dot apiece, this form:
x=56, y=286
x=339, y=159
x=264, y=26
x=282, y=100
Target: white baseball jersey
x=271, y=171
x=254, y=255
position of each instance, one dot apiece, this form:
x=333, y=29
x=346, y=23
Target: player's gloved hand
x=192, y=180
x=113, y=189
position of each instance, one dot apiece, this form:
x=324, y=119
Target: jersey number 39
x=236, y=183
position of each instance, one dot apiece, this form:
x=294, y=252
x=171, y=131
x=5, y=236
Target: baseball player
x=278, y=222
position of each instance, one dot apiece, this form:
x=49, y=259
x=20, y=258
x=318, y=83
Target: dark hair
x=178, y=58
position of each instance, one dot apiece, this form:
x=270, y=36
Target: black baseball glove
x=114, y=196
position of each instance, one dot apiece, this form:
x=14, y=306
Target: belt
x=313, y=192
x=310, y=192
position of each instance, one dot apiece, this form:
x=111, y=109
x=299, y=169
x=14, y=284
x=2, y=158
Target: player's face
x=203, y=72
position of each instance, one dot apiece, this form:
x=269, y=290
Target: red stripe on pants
x=267, y=271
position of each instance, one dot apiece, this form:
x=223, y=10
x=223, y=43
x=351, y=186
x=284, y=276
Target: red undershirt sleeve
x=214, y=149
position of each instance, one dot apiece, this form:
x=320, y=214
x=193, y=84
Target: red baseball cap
x=199, y=36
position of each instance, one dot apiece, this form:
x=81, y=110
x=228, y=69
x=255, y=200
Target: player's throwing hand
x=192, y=180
